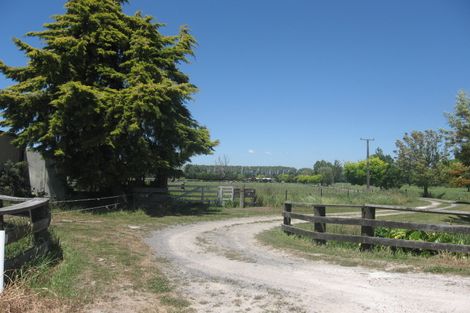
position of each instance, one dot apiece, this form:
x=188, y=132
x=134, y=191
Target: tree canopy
x=356, y=172
x=422, y=157
x=104, y=97
x=459, y=121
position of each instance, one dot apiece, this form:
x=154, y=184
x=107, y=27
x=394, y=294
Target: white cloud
x=251, y=151
x=268, y=153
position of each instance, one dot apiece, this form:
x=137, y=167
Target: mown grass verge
x=106, y=265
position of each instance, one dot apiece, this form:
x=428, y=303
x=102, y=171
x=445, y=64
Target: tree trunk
x=161, y=180
x=425, y=193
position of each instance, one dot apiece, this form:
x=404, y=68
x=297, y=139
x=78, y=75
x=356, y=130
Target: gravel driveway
x=220, y=267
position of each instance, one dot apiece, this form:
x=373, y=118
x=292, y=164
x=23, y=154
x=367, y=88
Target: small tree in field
x=459, y=175
x=459, y=121
x=422, y=157
x=104, y=97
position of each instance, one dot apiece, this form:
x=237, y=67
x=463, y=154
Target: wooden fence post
x=242, y=196
x=367, y=213
x=321, y=192
x=319, y=227
x=37, y=215
x=287, y=208
x=202, y=194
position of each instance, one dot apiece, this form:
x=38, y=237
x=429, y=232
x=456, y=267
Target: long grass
x=275, y=194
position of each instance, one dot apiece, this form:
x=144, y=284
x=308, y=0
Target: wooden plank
x=306, y=204
x=432, y=211
x=458, y=229
x=386, y=207
x=18, y=261
x=24, y=206
x=13, y=199
x=399, y=243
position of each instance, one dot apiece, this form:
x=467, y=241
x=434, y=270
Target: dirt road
x=221, y=267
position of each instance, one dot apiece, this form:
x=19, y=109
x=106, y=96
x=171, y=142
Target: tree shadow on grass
x=157, y=208
x=180, y=208
x=465, y=220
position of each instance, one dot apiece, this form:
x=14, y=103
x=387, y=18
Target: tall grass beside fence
x=274, y=194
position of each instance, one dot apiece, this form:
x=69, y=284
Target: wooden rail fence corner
x=38, y=212
x=368, y=223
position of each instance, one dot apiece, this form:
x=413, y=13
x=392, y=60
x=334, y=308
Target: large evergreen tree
x=104, y=97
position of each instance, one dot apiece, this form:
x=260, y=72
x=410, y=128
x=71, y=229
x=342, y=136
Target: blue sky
x=292, y=82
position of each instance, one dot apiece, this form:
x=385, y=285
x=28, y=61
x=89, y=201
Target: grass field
x=274, y=194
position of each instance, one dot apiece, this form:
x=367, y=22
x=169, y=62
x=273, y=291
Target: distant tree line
x=323, y=172
x=223, y=171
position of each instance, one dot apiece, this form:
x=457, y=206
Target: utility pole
x=368, y=169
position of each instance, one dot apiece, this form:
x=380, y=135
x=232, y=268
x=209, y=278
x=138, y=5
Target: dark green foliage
x=392, y=177
x=104, y=98
x=13, y=179
x=331, y=172
x=327, y=175
x=420, y=235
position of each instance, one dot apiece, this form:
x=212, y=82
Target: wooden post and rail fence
x=368, y=223
x=38, y=215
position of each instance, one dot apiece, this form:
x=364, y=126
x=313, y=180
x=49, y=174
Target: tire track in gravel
x=220, y=267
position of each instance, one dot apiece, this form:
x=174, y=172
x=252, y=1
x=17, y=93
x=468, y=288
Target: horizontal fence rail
x=368, y=223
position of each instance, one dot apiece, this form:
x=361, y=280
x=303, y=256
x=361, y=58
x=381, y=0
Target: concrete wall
x=42, y=176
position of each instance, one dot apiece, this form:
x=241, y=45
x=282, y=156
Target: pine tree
x=104, y=97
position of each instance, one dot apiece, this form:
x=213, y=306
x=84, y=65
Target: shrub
x=13, y=179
